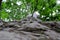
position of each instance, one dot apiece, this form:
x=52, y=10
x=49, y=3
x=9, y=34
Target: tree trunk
x=0, y=4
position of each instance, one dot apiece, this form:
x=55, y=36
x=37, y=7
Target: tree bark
x=0, y=4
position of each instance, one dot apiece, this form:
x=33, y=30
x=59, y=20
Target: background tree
x=0, y=3
x=18, y=9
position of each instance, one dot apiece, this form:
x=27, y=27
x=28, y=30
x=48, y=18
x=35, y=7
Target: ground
x=29, y=29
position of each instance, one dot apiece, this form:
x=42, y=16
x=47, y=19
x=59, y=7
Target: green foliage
x=4, y=14
x=46, y=7
x=12, y=10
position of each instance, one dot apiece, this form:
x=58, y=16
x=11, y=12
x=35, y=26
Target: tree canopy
x=17, y=9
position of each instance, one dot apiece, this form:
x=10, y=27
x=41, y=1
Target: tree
x=0, y=3
x=47, y=9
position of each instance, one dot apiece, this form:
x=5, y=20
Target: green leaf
x=4, y=14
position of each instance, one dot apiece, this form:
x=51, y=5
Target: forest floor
x=29, y=29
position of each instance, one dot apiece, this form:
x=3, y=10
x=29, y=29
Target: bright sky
x=58, y=1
